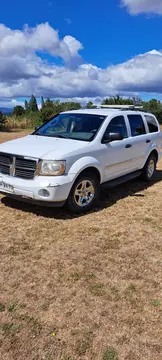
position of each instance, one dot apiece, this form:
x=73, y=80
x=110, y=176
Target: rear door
x=139, y=140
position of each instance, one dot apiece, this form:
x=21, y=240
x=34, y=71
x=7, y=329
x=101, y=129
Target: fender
x=82, y=164
x=151, y=148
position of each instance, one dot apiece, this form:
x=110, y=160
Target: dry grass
x=83, y=288
x=5, y=136
x=14, y=123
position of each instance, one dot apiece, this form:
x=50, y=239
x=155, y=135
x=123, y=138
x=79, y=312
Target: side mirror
x=112, y=137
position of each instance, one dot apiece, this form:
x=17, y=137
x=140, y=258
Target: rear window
x=137, y=125
x=152, y=123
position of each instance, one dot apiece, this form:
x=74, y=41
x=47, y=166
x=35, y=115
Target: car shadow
x=108, y=197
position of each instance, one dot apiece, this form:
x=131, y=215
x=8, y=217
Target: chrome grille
x=17, y=166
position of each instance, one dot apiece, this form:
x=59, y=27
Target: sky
x=80, y=50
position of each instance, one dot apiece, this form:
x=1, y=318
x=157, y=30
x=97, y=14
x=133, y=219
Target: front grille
x=25, y=163
x=4, y=169
x=5, y=159
x=24, y=174
x=17, y=166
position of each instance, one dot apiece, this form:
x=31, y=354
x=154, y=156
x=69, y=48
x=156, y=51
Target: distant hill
x=6, y=110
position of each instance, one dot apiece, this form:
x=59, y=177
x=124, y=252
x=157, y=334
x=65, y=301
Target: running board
x=120, y=180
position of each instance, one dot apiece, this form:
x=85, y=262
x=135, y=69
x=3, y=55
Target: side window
x=152, y=124
x=117, y=125
x=137, y=125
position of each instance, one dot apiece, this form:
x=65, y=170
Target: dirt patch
x=83, y=288
x=10, y=135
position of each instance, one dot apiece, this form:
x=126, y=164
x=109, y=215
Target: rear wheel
x=150, y=168
x=84, y=193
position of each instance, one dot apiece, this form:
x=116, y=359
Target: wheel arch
x=155, y=153
x=91, y=170
x=145, y=171
x=86, y=164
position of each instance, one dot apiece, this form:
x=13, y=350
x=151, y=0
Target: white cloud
x=143, y=6
x=42, y=38
x=73, y=45
x=23, y=71
x=142, y=73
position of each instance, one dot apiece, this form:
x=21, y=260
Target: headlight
x=52, y=168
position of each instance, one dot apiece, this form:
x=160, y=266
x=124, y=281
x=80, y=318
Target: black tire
x=147, y=174
x=73, y=199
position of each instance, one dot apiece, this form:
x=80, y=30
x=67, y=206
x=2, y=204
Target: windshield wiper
x=53, y=135
x=58, y=136
x=61, y=136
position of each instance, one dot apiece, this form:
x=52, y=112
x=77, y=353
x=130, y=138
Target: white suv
x=70, y=156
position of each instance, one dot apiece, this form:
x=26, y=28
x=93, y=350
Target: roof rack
x=121, y=107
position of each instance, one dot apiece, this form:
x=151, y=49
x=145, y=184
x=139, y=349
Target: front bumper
x=58, y=188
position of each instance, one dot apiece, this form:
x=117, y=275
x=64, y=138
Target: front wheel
x=84, y=193
x=149, y=168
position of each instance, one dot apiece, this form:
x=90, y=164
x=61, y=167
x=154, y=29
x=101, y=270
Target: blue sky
x=100, y=49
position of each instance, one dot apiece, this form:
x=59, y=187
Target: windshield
x=72, y=126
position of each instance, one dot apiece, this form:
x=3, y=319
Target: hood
x=42, y=147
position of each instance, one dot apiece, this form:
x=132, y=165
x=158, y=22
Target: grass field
x=83, y=288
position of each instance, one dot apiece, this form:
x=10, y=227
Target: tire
x=149, y=168
x=84, y=193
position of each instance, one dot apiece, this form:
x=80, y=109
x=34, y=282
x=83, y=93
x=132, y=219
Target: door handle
x=128, y=146
x=148, y=141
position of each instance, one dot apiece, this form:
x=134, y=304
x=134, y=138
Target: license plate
x=6, y=186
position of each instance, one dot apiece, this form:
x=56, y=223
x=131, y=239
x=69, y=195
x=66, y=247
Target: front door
x=117, y=154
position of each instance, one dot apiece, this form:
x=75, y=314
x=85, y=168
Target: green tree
x=33, y=104
x=52, y=107
x=47, y=109
x=42, y=102
x=49, y=103
x=118, y=100
x=26, y=105
x=155, y=107
x=18, y=111
x=2, y=120
x=90, y=105
x=47, y=113
x=69, y=105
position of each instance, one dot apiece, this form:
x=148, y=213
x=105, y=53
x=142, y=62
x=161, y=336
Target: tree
x=2, y=120
x=18, y=111
x=52, y=107
x=47, y=109
x=155, y=107
x=42, y=102
x=117, y=100
x=49, y=103
x=69, y=105
x=33, y=104
x=90, y=105
x=47, y=113
x=26, y=105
